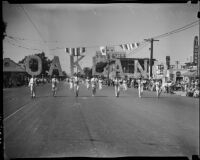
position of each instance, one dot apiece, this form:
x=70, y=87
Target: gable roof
x=10, y=66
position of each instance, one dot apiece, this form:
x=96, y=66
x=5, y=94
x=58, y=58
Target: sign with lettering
x=139, y=68
x=27, y=65
x=195, y=51
x=55, y=65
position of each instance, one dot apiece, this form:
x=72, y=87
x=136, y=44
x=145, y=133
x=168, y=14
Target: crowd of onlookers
x=190, y=89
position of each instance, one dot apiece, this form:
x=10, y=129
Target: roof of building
x=10, y=66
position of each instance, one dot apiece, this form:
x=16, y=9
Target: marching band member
x=87, y=83
x=124, y=85
x=93, y=85
x=71, y=83
x=32, y=85
x=54, y=82
x=76, y=85
x=140, y=87
x=100, y=84
x=117, y=86
x=158, y=88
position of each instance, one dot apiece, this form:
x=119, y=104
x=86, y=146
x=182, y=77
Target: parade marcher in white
x=87, y=81
x=132, y=83
x=140, y=87
x=158, y=88
x=117, y=86
x=93, y=85
x=32, y=85
x=124, y=85
x=100, y=84
x=71, y=85
x=54, y=82
x=76, y=85
x=120, y=83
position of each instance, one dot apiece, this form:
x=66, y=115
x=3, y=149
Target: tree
x=64, y=74
x=87, y=72
x=46, y=63
x=100, y=66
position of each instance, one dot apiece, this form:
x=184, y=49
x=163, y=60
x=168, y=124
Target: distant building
x=122, y=66
x=13, y=73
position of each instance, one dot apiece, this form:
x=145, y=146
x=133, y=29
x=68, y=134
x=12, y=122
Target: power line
x=22, y=46
x=32, y=22
x=177, y=30
x=96, y=46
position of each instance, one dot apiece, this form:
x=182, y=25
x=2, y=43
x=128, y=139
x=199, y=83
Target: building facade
x=13, y=74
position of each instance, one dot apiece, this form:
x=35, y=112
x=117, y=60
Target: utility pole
x=177, y=62
x=151, y=54
x=108, y=57
x=198, y=57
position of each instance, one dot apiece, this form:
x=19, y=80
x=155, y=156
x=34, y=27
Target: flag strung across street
x=75, y=51
x=126, y=47
x=129, y=46
x=103, y=50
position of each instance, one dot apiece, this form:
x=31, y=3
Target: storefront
x=190, y=75
x=177, y=75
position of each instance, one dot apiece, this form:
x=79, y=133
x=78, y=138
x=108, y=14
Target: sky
x=43, y=27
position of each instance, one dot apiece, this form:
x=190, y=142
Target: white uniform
x=71, y=83
x=93, y=85
x=32, y=85
x=54, y=82
x=157, y=88
x=124, y=85
x=117, y=87
x=100, y=84
x=87, y=83
x=140, y=88
x=76, y=85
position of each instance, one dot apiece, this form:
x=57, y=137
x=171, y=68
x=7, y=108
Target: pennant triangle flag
x=83, y=49
x=131, y=46
x=123, y=46
x=103, y=50
x=67, y=50
x=75, y=51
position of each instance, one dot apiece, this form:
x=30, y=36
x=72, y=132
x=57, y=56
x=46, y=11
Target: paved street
x=100, y=126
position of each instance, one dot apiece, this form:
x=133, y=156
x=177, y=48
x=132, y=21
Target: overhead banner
x=129, y=46
x=75, y=51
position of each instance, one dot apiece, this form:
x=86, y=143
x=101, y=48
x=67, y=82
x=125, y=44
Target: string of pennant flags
x=125, y=47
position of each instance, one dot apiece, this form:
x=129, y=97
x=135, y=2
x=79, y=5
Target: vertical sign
x=168, y=61
x=195, y=50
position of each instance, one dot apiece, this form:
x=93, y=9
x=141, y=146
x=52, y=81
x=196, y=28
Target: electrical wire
x=22, y=46
x=96, y=46
x=177, y=30
x=31, y=22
